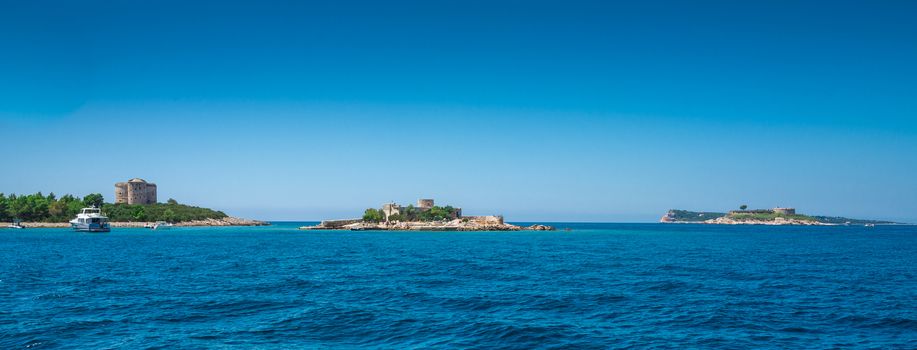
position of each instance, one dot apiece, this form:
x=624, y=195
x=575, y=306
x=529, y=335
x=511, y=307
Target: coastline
x=227, y=221
x=765, y=217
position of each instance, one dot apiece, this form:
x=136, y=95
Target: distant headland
x=775, y=216
x=425, y=216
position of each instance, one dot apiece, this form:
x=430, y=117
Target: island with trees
x=38, y=210
x=425, y=216
x=775, y=216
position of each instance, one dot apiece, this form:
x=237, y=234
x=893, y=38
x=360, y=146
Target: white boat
x=161, y=225
x=15, y=224
x=90, y=220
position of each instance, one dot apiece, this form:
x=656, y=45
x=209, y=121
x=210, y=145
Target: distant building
x=785, y=211
x=390, y=209
x=424, y=203
x=135, y=191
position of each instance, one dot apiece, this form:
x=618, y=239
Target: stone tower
x=785, y=211
x=425, y=203
x=135, y=191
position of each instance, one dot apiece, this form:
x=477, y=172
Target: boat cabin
x=92, y=220
x=90, y=211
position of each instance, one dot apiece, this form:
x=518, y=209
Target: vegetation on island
x=40, y=208
x=373, y=215
x=412, y=214
x=693, y=216
x=168, y=212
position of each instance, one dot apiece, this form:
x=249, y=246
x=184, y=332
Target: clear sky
x=552, y=111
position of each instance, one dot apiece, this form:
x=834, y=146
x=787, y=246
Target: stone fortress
x=423, y=204
x=135, y=191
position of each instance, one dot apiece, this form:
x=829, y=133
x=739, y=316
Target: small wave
x=77, y=326
x=474, y=303
x=101, y=280
x=238, y=307
x=797, y=330
x=665, y=286
x=520, y=335
x=904, y=323
x=51, y=296
x=884, y=322
x=604, y=299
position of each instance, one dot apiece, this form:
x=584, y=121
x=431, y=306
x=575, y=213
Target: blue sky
x=556, y=111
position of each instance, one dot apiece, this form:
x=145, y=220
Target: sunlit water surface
x=597, y=286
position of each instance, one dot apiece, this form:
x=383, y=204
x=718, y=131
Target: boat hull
x=90, y=227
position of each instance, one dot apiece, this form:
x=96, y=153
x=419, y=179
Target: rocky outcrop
x=227, y=221
x=777, y=221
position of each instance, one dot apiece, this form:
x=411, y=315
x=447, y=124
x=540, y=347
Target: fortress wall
x=785, y=211
x=339, y=223
x=486, y=219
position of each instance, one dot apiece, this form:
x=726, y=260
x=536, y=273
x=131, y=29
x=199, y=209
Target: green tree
x=743, y=207
x=57, y=210
x=438, y=213
x=409, y=213
x=172, y=201
x=4, y=206
x=93, y=200
x=373, y=215
x=73, y=208
x=67, y=198
x=39, y=205
x=138, y=213
x=168, y=215
x=20, y=208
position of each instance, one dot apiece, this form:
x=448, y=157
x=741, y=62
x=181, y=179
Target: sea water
x=597, y=286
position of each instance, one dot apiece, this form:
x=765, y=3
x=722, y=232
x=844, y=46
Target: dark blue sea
x=598, y=286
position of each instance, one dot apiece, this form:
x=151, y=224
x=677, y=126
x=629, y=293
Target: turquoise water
x=598, y=286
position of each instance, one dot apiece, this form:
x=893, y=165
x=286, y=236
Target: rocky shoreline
x=454, y=225
x=227, y=221
x=776, y=222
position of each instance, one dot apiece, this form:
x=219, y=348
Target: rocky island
x=423, y=217
x=775, y=216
